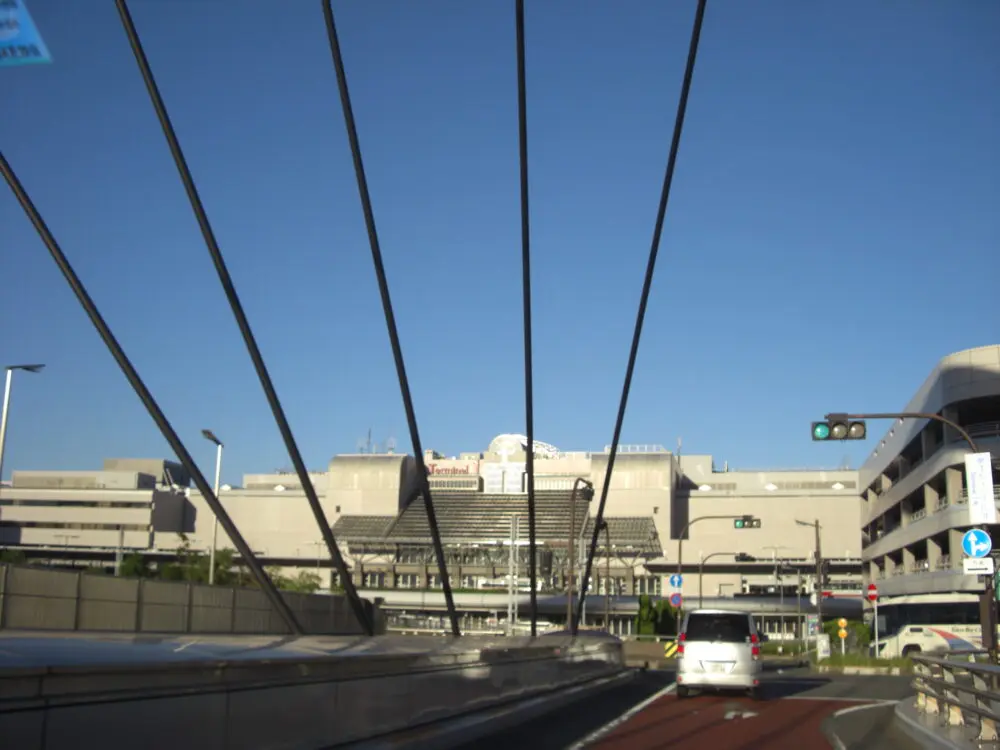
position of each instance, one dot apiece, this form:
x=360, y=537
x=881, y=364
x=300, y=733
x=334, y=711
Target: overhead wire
x=361, y=613
x=644, y=297
x=529, y=406
x=397, y=352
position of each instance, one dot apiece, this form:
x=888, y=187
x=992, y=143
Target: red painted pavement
x=699, y=722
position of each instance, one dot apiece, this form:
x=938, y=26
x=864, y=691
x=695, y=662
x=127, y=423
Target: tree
x=135, y=566
x=13, y=557
x=306, y=582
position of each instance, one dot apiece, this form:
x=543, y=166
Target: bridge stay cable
x=423, y=476
x=358, y=607
x=643, y=300
x=166, y=429
x=529, y=406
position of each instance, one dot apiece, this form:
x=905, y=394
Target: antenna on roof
x=390, y=444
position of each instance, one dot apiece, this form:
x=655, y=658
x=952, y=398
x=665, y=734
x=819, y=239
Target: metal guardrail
x=961, y=691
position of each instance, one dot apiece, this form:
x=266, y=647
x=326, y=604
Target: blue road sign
x=20, y=42
x=676, y=580
x=675, y=600
x=976, y=543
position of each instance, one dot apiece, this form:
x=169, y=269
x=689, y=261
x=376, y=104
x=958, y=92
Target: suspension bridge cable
x=529, y=406
x=390, y=319
x=360, y=612
x=168, y=432
x=644, y=298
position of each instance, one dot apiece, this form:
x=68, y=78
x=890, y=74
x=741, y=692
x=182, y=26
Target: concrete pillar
x=931, y=499
x=955, y=547
x=953, y=485
x=933, y=553
x=909, y=561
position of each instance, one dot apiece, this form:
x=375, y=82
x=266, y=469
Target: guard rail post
x=960, y=690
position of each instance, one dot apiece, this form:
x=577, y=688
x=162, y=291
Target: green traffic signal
x=839, y=429
x=739, y=523
x=821, y=431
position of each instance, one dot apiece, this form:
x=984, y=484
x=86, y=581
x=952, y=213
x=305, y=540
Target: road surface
x=794, y=712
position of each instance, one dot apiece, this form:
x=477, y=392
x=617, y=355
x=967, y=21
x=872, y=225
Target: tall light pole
x=6, y=403
x=588, y=493
x=779, y=580
x=210, y=436
x=819, y=568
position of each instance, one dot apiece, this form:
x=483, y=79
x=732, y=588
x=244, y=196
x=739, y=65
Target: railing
x=963, y=694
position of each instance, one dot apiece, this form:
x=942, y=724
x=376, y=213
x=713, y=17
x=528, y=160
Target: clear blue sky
x=833, y=229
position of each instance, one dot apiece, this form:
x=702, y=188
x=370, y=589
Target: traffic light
x=839, y=427
x=746, y=522
x=744, y=557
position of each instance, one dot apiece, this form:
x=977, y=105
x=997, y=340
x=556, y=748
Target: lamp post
x=6, y=403
x=607, y=574
x=779, y=580
x=210, y=436
x=819, y=568
x=571, y=544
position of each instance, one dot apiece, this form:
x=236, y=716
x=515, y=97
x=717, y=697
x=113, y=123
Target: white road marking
x=617, y=722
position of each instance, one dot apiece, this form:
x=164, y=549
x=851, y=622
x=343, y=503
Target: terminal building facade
x=914, y=484
x=378, y=516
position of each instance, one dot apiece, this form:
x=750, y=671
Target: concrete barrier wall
x=288, y=703
x=39, y=599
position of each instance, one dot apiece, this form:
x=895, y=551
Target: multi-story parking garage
x=914, y=481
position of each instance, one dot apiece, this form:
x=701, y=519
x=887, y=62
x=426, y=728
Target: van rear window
x=720, y=627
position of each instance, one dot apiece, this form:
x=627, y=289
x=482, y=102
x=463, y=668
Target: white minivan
x=718, y=650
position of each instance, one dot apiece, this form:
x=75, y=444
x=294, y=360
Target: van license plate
x=717, y=666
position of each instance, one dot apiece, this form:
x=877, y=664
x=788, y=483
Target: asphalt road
x=794, y=710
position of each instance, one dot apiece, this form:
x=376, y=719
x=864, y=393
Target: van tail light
x=755, y=651
x=754, y=638
x=680, y=644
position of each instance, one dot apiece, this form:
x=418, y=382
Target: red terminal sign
x=872, y=592
x=449, y=470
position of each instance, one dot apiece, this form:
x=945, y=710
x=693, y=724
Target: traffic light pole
x=910, y=415
x=987, y=605
x=701, y=569
x=680, y=552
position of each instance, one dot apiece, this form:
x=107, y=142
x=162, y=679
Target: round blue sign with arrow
x=976, y=543
x=676, y=580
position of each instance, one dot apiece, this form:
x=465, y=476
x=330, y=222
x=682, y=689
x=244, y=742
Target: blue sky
x=833, y=229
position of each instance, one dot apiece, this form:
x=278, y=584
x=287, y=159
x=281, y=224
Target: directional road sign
x=675, y=600
x=976, y=543
x=676, y=580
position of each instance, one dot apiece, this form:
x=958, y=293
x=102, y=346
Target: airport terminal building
x=379, y=518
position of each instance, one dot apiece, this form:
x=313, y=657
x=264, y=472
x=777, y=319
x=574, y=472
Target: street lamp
x=210, y=436
x=779, y=580
x=819, y=568
x=588, y=493
x=607, y=574
x=6, y=403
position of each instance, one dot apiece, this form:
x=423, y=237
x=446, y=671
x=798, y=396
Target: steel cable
x=390, y=319
x=644, y=298
x=360, y=612
x=266, y=585
x=529, y=407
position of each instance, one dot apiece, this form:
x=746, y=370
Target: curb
x=924, y=736
x=827, y=726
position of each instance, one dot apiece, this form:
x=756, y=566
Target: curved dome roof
x=509, y=443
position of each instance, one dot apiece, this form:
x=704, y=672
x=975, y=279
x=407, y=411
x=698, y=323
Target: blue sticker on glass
x=20, y=42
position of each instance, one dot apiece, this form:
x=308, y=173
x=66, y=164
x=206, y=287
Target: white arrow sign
x=739, y=714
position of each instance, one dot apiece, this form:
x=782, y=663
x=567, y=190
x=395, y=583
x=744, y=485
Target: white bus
x=922, y=623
